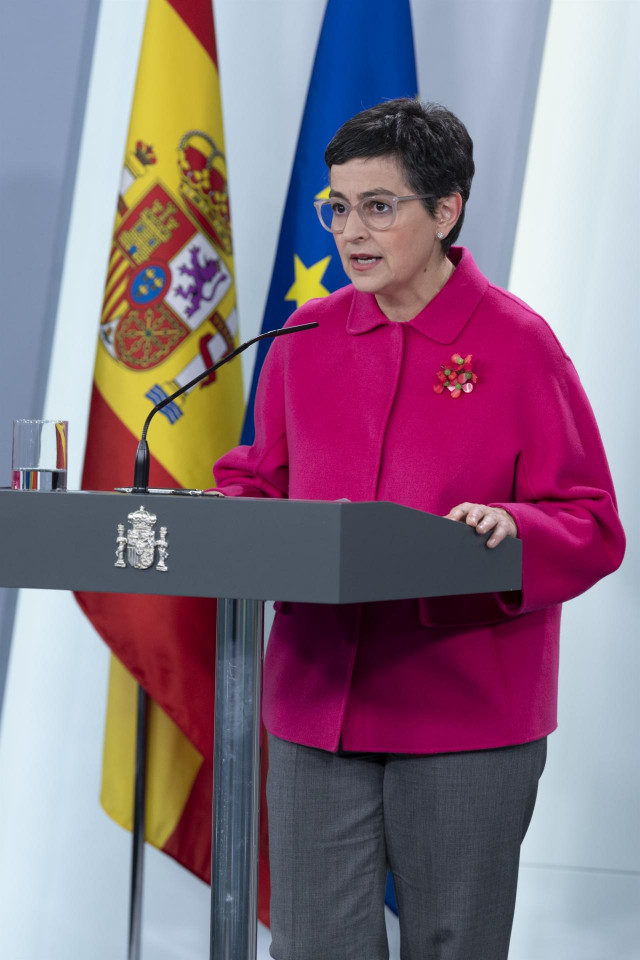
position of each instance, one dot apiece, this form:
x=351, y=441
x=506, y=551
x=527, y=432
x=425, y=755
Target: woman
x=412, y=734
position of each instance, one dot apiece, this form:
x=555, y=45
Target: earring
x=440, y=235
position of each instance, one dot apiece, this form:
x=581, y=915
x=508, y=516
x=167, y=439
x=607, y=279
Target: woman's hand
x=485, y=519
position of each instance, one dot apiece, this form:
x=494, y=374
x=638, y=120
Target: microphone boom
x=141, y=469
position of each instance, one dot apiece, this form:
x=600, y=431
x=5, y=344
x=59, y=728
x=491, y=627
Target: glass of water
x=39, y=458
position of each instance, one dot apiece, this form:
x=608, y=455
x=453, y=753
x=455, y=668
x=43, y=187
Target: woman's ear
x=448, y=212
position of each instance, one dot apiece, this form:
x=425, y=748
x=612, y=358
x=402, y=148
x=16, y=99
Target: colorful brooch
x=456, y=376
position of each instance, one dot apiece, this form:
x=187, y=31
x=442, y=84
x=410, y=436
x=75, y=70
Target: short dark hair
x=431, y=146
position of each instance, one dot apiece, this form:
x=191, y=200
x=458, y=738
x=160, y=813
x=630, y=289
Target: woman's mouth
x=364, y=261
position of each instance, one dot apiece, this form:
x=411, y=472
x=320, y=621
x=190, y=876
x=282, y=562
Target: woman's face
x=388, y=263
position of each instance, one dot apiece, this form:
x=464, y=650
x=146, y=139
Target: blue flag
x=365, y=55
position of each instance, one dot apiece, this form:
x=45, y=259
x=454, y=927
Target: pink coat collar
x=443, y=317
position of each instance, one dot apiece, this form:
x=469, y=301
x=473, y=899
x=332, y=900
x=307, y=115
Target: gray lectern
x=243, y=551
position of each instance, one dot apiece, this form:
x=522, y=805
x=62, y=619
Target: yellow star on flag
x=307, y=284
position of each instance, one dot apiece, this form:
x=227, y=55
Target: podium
x=245, y=551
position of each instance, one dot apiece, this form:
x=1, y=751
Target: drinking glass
x=39, y=456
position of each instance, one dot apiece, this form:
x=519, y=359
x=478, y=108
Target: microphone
x=141, y=469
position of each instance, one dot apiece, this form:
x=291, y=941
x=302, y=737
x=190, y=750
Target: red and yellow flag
x=168, y=312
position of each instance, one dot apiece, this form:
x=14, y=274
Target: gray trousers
x=449, y=826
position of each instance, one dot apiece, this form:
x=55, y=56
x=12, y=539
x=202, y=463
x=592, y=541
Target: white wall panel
x=576, y=261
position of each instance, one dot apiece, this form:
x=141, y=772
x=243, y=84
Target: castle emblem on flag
x=139, y=547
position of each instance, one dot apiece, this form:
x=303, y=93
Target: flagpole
x=137, y=844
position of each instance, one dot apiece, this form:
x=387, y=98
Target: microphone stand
x=141, y=485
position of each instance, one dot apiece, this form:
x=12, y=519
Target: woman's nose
x=355, y=227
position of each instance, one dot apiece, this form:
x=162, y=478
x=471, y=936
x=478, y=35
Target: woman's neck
x=409, y=301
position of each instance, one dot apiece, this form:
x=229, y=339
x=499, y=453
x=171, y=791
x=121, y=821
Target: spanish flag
x=168, y=312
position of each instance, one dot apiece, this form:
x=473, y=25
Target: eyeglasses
x=378, y=212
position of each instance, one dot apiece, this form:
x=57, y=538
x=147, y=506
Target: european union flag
x=365, y=55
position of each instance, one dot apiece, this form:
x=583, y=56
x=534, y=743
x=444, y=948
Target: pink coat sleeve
x=564, y=505
x=262, y=469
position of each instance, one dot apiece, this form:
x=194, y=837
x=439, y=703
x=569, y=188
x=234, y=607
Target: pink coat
x=349, y=410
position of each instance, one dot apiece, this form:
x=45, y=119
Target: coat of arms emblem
x=170, y=266
x=139, y=546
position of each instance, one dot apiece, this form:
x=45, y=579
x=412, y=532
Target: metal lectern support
x=236, y=780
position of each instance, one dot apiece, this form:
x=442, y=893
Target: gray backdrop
x=45, y=59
